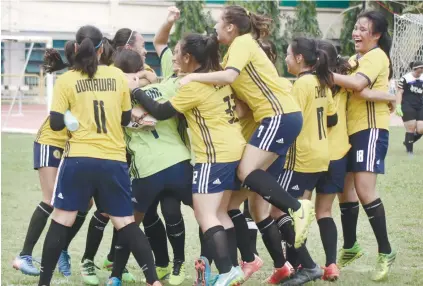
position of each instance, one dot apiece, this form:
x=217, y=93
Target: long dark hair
x=380, y=26
x=89, y=39
x=205, y=50
x=314, y=58
x=123, y=37
x=269, y=48
x=247, y=22
x=53, y=62
x=128, y=61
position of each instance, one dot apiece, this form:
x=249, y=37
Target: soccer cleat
x=304, y=275
x=383, y=265
x=302, y=219
x=162, y=272
x=113, y=281
x=280, y=274
x=331, y=272
x=203, y=272
x=24, y=264
x=177, y=276
x=249, y=268
x=64, y=264
x=88, y=272
x=235, y=277
x=157, y=283
x=126, y=275
x=348, y=256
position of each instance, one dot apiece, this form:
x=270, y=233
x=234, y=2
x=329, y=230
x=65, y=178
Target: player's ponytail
x=128, y=61
x=247, y=22
x=108, y=52
x=270, y=49
x=322, y=69
x=53, y=62
x=380, y=26
x=89, y=39
x=204, y=49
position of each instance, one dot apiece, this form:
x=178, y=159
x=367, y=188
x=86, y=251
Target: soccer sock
x=409, y=140
x=242, y=234
x=417, y=136
x=205, y=251
x=266, y=186
x=329, y=236
x=175, y=226
x=121, y=256
x=233, y=251
x=36, y=227
x=304, y=257
x=349, y=219
x=94, y=235
x=79, y=221
x=156, y=234
x=112, y=251
x=133, y=237
x=287, y=231
x=376, y=213
x=217, y=241
x=272, y=240
x=54, y=243
x=252, y=228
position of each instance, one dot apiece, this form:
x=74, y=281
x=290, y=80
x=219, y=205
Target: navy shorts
x=368, y=151
x=332, y=181
x=46, y=156
x=81, y=178
x=174, y=181
x=210, y=178
x=276, y=134
x=296, y=183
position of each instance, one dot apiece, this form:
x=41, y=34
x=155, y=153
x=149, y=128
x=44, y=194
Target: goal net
x=26, y=91
x=407, y=45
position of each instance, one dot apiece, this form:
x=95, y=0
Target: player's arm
x=400, y=91
x=59, y=106
x=162, y=36
x=241, y=108
x=375, y=95
x=126, y=104
x=160, y=111
x=355, y=82
x=332, y=116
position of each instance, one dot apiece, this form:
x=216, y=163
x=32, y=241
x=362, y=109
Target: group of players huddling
x=118, y=137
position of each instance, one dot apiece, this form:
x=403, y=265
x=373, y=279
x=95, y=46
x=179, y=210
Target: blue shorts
x=210, y=178
x=46, y=156
x=81, y=178
x=332, y=182
x=175, y=181
x=296, y=183
x=276, y=134
x=368, y=151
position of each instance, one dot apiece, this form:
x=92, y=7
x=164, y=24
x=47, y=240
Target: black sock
x=175, y=226
x=242, y=234
x=304, y=257
x=121, y=256
x=205, y=251
x=376, y=213
x=133, y=237
x=252, y=228
x=79, y=221
x=329, y=236
x=216, y=240
x=232, y=245
x=36, y=227
x=349, y=219
x=417, y=136
x=156, y=234
x=287, y=231
x=54, y=243
x=113, y=244
x=409, y=140
x=94, y=235
x=266, y=186
x=272, y=240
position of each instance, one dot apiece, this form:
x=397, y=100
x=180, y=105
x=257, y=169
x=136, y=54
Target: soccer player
x=94, y=163
x=217, y=144
x=256, y=82
x=48, y=150
x=410, y=104
x=368, y=124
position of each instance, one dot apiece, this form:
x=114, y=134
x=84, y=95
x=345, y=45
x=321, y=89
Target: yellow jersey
x=214, y=126
x=339, y=144
x=363, y=114
x=47, y=136
x=97, y=104
x=258, y=81
x=310, y=152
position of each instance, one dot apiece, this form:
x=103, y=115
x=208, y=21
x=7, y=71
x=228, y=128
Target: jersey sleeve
x=402, y=83
x=332, y=108
x=126, y=96
x=166, y=63
x=239, y=55
x=188, y=97
x=61, y=94
x=370, y=67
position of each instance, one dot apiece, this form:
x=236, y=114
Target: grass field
x=400, y=189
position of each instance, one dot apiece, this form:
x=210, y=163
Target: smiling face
x=139, y=46
x=363, y=36
x=293, y=61
x=224, y=31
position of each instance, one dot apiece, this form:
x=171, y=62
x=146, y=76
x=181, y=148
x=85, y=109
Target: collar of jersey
x=305, y=73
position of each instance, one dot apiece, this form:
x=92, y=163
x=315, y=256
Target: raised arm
x=162, y=36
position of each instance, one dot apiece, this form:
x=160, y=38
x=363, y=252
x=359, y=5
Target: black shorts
x=411, y=112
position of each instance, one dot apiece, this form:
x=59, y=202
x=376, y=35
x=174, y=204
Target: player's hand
x=392, y=106
x=133, y=81
x=137, y=114
x=398, y=110
x=173, y=14
x=185, y=80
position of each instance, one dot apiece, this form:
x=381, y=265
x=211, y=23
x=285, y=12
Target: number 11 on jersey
x=100, y=116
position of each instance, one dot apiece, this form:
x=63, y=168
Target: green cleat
x=383, y=265
x=126, y=275
x=302, y=219
x=89, y=277
x=163, y=272
x=348, y=256
x=177, y=276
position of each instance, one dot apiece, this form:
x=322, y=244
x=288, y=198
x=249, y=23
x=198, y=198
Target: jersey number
x=322, y=133
x=231, y=109
x=100, y=116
